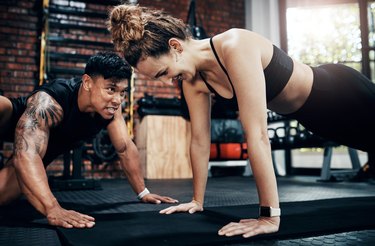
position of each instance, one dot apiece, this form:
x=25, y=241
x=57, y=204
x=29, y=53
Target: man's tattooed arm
x=31, y=141
x=41, y=114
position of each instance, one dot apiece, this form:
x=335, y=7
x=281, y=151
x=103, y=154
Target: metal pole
x=130, y=123
x=43, y=38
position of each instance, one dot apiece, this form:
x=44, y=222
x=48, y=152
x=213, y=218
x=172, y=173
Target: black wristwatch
x=269, y=212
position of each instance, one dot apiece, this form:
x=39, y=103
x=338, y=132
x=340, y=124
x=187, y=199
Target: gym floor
x=116, y=196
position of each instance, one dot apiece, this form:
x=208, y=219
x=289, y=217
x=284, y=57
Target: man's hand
x=58, y=216
x=190, y=207
x=251, y=227
x=154, y=198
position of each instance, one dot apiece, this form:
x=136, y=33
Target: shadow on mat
x=89, y=208
x=21, y=212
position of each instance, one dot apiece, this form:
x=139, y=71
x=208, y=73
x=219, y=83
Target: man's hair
x=109, y=65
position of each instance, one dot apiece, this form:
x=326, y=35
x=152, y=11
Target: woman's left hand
x=157, y=199
x=251, y=227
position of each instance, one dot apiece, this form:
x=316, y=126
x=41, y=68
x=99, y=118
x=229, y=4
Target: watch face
x=265, y=211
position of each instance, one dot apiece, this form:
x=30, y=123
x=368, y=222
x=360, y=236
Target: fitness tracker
x=269, y=212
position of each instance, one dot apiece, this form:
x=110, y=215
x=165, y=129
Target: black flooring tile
x=116, y=196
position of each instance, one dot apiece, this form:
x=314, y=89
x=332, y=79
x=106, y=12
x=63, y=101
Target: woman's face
x=169, y=68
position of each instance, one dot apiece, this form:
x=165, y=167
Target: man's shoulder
x=62, y=84
x=60, y=87
x=64, y=91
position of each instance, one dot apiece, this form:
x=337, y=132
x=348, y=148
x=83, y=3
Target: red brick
x=15, y=66
x=25, y=59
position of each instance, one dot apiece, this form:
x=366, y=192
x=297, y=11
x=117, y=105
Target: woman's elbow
x=202, y=142
x=259, y=137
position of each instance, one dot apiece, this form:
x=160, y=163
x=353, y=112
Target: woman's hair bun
x=126, y=25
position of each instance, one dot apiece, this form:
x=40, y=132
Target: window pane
x=325, y=34
x=371, y=25
x=371, y=36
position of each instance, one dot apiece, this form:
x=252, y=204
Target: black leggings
x=340, y=107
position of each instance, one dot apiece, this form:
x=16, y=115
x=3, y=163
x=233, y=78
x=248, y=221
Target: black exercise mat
x=299, y=219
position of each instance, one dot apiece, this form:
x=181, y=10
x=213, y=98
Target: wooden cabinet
x=163, y=143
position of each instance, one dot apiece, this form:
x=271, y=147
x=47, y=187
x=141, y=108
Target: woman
x=253, y=75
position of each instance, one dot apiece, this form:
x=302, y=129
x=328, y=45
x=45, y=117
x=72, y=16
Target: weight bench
x=299, y=137
x=333, y=175
x=73, y=179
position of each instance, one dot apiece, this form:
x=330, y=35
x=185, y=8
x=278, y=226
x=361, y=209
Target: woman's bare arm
x=199, y=110
x=242, y=55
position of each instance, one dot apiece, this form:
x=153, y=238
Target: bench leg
x=325, y=174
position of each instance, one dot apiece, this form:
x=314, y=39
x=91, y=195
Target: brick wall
x=20, y=28
x=214, y=15
x=19, y=46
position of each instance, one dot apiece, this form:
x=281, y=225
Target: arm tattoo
x=43, y=111
x=42, y=114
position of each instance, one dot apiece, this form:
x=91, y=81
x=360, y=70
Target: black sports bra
x=276, y=74
x=232, y=102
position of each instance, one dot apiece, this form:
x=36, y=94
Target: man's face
x=107, y=95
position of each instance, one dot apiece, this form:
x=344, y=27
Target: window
x=328, y=31
x=325, y=34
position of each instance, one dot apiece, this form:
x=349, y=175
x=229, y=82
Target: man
x=52, y=120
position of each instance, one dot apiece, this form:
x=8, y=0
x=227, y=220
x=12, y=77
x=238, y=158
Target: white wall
x=262, y=16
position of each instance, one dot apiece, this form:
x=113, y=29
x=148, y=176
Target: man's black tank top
x=276, y=74
x=75, y=127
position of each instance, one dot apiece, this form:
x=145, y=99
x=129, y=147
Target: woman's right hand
x=190, y=207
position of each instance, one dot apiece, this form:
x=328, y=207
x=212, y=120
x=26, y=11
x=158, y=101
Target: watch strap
x=269, y=211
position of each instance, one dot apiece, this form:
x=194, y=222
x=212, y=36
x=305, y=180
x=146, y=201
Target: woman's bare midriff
x=296, y=91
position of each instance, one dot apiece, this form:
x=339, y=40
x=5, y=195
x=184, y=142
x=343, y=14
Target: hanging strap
x=191, y=19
